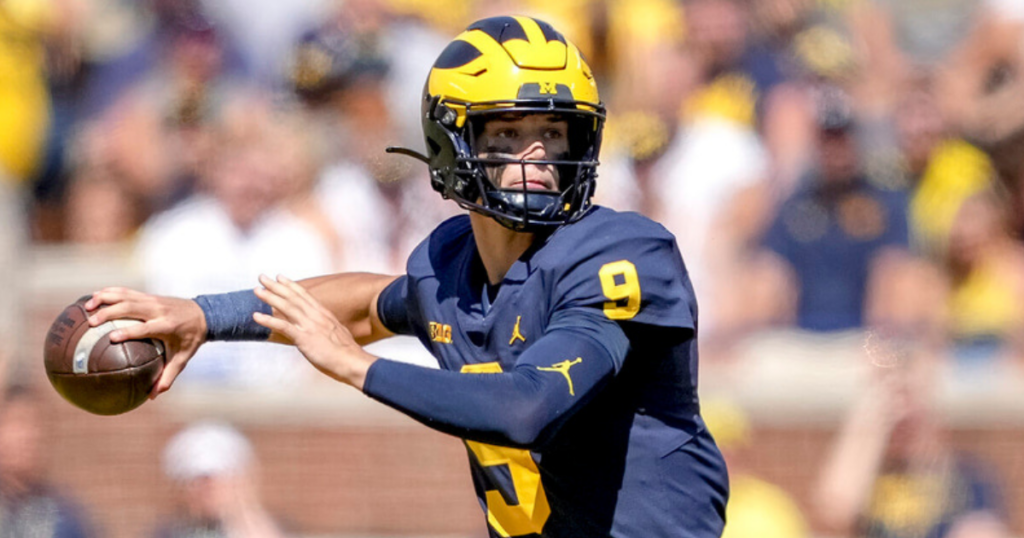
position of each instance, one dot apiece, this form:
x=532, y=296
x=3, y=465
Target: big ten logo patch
x=440, y=332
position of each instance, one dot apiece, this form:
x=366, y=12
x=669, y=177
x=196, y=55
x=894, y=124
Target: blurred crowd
x=826, y=165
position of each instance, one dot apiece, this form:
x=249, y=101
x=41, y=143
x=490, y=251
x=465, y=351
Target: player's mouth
x=533, y=184
x=538, y=185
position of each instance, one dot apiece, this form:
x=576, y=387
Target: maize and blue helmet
x=515, y=65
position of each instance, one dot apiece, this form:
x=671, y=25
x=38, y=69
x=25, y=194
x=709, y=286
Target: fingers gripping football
x=179, y=323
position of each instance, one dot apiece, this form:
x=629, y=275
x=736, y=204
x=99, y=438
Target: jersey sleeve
x=523, y=407
x=630, y=271
x=399, y=306
x=392, y=307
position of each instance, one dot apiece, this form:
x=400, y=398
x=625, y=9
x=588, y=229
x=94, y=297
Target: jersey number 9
x=621, y=286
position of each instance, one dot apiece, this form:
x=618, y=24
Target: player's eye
x=553, y=134
x=506, y=134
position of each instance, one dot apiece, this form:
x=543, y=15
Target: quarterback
x=566, y=332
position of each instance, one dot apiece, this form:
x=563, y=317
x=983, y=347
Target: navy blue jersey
x=831, y=244
x=599, y=321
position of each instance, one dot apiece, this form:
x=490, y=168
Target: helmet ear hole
x=444, y=114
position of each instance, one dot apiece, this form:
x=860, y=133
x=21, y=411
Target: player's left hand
x=323, y=340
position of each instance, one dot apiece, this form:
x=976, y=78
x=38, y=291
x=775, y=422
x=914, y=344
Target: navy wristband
x=229, y=316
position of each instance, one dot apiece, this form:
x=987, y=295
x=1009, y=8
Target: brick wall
x=394, y=480
x=322, y=480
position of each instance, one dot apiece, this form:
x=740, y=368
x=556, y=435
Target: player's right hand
x=178, y=323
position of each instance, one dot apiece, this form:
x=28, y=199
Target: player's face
x=524, y=137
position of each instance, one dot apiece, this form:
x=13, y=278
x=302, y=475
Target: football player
x=566, y=332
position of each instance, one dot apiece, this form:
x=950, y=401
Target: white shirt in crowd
x=196, y=249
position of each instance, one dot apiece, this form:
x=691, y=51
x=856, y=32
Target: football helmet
x=516, y=65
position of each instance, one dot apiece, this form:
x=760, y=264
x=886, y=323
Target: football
x=94, y=374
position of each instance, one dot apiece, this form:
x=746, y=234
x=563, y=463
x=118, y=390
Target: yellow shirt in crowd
x=24, y=99
x=758, y=509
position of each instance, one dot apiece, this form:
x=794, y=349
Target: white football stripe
x=80, y=363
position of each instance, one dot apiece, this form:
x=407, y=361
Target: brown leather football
x=94, y=374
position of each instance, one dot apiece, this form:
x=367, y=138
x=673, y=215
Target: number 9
x=628, y=290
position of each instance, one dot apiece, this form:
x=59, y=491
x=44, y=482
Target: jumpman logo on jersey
x=516, y=335
x=563, y=368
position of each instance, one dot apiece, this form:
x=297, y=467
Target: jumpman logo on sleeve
x=563, y=368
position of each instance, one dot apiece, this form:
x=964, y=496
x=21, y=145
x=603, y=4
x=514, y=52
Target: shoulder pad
x=624, y=264
x=440, y=247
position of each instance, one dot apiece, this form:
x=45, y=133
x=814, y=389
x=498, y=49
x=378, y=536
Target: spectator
x=266, y=31
x=99, y=210
x=238, y=225
x=160, y=126
x=157, y=33
x=710, y=167
x=986, y=269
x=340, y=78
x=363, y=198
x=647, y=95
x=213, y=469
x=980, y=90
x=833, y=231
x=25, y=116
x=757, y=508
x=892, y=473
x=343, y=71
x=746, y=83
x=99, y=207
x=30, y=505
x=943, y=169
x=738, y=74
x=925, y=35
x=24, y=97
x=409, y=45
x=715, y=174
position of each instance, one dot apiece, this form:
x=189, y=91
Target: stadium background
x=115, y=114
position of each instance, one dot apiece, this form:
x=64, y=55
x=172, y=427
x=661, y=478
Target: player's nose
x=535, y=150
